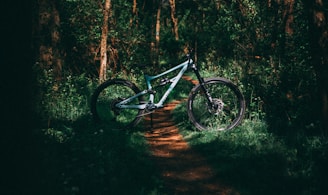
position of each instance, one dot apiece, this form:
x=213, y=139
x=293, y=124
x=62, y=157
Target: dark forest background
x=275, y=50
x=56, y=52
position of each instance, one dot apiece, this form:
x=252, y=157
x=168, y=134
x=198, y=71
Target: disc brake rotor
x=217, y=106
x=115, y=109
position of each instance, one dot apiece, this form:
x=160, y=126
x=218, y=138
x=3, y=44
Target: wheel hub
x=113, y=107
x=217, y=106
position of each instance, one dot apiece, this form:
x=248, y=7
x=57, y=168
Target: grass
x=96, y=160
x=81, y=157
x=256, y=162
x=78, y=156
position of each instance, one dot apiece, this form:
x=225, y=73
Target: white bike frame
x=183, y=66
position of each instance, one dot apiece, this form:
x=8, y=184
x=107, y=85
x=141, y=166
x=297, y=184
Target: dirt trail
x=183, y=170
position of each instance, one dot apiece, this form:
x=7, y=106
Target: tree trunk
x=174, y=20
x=319, y=49
x=49, y=38
x=103, y=42
x=55, y=42
x=154, y=45
x=288, y=16
x=134, y=14
x=158, y=29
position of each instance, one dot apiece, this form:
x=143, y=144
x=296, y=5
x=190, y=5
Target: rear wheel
x=107, y=95
x=226, y=110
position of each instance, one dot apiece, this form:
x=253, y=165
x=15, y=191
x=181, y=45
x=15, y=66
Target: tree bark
x=288, y=16
x=158, y=29
x=154, y=45
x=174, y=20
x=103, y=42
x=319, y=49
x=134, y=14
x=55, y=42
x=49, y=38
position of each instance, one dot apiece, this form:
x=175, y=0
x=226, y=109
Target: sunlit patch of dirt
x=184, y=171
x=188, y=78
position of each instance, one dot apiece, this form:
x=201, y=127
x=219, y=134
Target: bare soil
x=184, y=171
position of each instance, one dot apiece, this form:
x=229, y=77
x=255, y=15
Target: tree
x=174, y=20
x=103, y=42
x=264, y=40
x=134, y=14
x=51, y=54
x=154, y=46
x=318, y=33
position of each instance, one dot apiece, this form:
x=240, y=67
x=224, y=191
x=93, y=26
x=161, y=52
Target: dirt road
x=184, y=171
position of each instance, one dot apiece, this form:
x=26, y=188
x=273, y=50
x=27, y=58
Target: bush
x=64, y=100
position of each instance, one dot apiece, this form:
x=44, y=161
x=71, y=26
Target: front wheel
x=226, y=109
x=107, y=95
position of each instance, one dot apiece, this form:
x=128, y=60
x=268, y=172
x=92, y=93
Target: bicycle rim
x=107, y=96
x=224, y=113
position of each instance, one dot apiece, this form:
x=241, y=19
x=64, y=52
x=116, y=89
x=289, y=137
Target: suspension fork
x=202, y=85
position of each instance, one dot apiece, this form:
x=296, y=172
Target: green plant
x=95, y=159
x=255, y=161
x=64, y=100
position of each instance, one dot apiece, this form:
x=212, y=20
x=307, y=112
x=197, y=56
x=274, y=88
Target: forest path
x=183, y=170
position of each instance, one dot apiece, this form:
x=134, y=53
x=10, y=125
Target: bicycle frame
x=183, y=66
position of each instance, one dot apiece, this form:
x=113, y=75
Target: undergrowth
x=97, y=160
x=79, y=156
x=255, y=161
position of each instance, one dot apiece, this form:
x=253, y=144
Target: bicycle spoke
x=107, y=96
x=226, y=109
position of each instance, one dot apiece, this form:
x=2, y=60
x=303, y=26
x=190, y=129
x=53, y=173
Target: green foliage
x=229, y=40
x=81, y=21
x=65, y=100
x=244, y=41
x=97, y=160
x=79, y=156
x=255, y=161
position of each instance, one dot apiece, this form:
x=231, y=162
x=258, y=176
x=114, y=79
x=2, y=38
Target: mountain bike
x=213, y=103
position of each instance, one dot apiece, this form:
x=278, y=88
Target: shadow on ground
x=86, y=158
x=184, y=171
